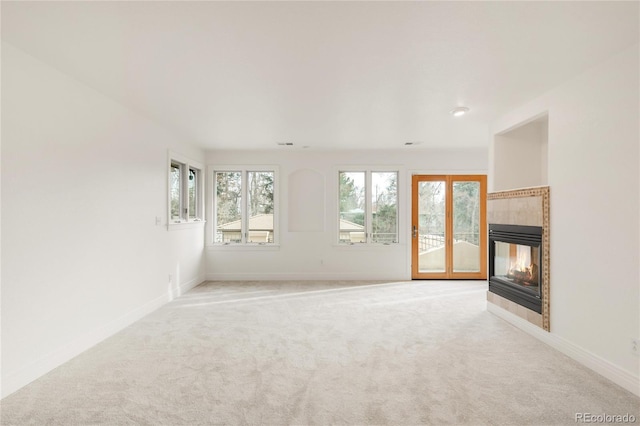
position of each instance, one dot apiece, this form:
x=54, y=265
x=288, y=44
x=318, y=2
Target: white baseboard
x=192, y=284
x=185, y=287
x=601, y=366
x=18, y=379
x=301, y=276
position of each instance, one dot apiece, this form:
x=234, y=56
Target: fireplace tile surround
x=525, y=206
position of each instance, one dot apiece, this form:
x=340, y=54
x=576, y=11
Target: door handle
x=415, y=231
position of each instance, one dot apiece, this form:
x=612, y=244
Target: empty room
x=320, y=212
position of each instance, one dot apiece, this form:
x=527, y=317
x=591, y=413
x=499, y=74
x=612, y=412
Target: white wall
x=316, y=255
x=594, y=180
x=83, y=179
x=520, y=156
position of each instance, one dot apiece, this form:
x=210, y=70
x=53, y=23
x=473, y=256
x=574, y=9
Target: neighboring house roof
x=258, y=222
x=265, y=222
x=346, y=226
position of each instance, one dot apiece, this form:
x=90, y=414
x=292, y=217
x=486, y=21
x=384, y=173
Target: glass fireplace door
x=515, y=264
x=518, y=264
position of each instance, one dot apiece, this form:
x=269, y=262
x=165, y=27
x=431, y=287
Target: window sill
x=243, y=247
x=178, y=226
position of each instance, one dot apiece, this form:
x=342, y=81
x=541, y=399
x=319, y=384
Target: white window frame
x=185, y=164
x=244, y=170
x=368, y=210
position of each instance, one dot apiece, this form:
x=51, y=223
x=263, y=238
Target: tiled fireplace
x=515, y=264
x=519, y=253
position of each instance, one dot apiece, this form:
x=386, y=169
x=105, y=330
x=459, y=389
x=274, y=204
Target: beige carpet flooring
x=353, y=353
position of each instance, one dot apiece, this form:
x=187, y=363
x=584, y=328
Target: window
x=368, y=207
x=192, y=186
x=185, y=190
x=175, y=193
x=245, y=206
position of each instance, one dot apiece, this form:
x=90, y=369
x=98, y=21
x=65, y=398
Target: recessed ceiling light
x=411, y=143
x=285, y=143
x=459, y=111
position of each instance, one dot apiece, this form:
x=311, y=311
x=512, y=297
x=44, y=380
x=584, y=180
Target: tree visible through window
x=193, y=182
x=466, y=212
x=174, y=190
x=185, y=190
x=228, y=206
x=352, y=207
x=368, y=203
x=384, y=200
x=244, y=206
x=260, y=200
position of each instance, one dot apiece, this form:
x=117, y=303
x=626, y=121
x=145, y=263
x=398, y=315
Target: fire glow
x=522, y=269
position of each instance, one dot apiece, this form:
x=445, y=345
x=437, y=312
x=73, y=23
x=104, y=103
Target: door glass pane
x=466, y=226
x=352, y=203
x=431, y=226
x=384, y=202
x=260, y=197
x=228, y=207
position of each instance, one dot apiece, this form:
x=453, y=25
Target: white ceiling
x=334, y=75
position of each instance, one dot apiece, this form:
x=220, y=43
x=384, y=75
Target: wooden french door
x=448, y=227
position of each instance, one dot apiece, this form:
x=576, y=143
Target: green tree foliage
x=348, y=195
x=466, y=211
x=385, y=221
x=175, y=191
x=229, y=196
x=260, y=193
x=351, y=198
x=431, y=207
x=192, y=193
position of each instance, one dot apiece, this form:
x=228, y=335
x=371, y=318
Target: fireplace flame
x=522, y=268
x=523, y=259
